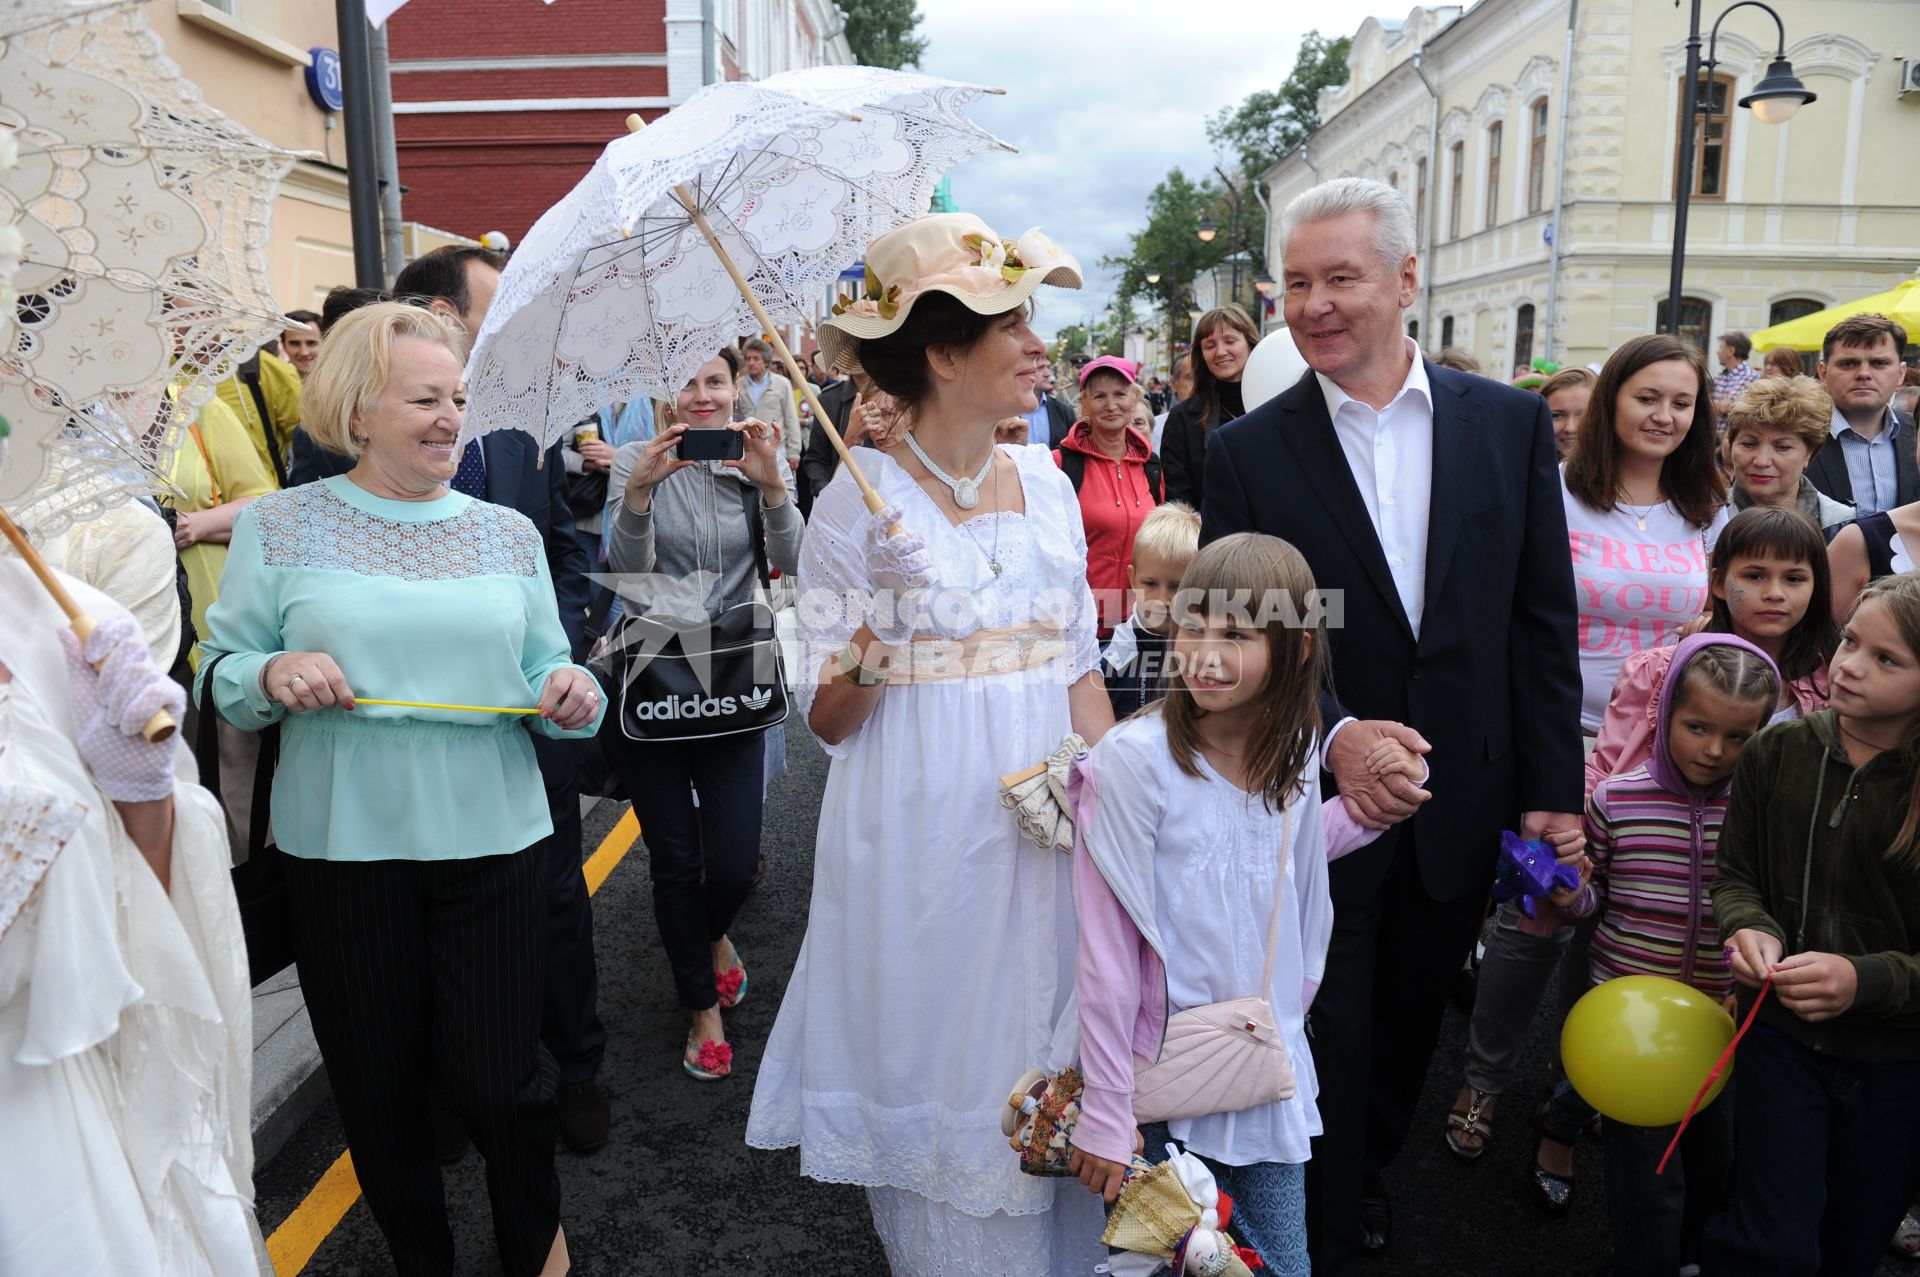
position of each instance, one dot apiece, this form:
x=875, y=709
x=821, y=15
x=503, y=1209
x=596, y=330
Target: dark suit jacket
x=1059, y=420
x=818, y=460
x=1493, y=681
x=541, y=495
x=1828, y=469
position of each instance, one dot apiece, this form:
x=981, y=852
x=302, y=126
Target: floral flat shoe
x=710, y=1061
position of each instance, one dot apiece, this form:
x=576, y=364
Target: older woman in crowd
x=1223, y=340
x=1113, y=470
x=678, y=520
x=125, y=1017
x=1773, y=430
x=417, y=914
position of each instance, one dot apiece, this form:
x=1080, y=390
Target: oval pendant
x=966, y=494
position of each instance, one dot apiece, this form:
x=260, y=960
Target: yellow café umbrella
x=1901, y=303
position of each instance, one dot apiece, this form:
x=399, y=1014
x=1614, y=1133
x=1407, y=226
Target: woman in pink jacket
x=1113, y=468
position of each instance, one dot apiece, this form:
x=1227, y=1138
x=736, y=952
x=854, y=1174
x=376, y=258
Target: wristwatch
x=854, y=672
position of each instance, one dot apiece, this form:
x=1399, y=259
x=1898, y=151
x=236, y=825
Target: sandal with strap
x=731, y=984
x=1471, y=1121
x=710, y=1061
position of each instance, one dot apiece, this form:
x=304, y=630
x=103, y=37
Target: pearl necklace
x=966, y=492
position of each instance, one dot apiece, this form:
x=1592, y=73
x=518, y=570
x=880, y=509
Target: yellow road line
x=292, y=1245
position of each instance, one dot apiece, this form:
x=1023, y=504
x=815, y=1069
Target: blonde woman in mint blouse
x=417, y=914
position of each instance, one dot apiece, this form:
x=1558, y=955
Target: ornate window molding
x=1735, y=56
x=1492, y=106
x=1832, y=54
x=1537, y=77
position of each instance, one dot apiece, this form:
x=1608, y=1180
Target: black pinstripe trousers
x=433, y=969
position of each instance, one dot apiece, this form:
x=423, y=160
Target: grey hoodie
x=697, y=522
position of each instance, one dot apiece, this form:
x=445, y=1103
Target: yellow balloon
x=1637, y=1048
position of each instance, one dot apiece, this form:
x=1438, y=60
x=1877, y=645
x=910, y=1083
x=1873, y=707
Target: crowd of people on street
x=1293, y=667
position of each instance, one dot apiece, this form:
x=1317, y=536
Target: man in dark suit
x=505, y=467
x=1429, y=500
x=1870, y=462
x=818, y=460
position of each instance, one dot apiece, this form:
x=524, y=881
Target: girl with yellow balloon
x=1638, y=1046
x=1819, y=895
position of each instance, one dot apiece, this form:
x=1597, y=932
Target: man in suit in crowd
x=1871, y=463
x=1430, y=501
x=501, y=467
x=818, y=460
x=767, y=395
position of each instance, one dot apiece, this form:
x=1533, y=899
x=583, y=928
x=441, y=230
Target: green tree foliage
x=1271, y=122
x=882, y=32
x=1170, y=244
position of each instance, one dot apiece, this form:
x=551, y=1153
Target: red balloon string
x=1719, y=1067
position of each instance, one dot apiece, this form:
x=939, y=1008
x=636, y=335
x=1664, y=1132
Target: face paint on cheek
x=1736, y=595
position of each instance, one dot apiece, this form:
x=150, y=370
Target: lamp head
x=1779, y=94
x=1206, y=230
x=1153, y=277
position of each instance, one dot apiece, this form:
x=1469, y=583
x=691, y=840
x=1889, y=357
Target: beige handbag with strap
x=1226, y=1056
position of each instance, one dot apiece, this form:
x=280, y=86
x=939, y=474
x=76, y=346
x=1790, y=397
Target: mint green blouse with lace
x=446, y=600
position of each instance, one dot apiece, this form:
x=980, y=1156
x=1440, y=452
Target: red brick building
x=500, y=106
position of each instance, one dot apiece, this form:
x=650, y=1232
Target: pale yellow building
x=249, y=58
x=1469, y=114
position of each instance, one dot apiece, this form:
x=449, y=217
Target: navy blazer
x=1493, y=682
x=1829, y=472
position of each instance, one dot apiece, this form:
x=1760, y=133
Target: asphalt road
x=677, y=1191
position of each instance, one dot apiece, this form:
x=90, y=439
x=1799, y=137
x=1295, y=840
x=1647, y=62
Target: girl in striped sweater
x=1651, y=833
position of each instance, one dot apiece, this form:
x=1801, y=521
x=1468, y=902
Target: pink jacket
x=1132, y=991
x=1633, y=712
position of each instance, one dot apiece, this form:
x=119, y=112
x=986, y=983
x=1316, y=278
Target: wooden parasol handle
x=161, y=725
x=874, y=501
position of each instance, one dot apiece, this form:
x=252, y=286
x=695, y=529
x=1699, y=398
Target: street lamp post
x=1773, y=101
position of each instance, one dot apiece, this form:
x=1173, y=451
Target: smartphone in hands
x=712, y=445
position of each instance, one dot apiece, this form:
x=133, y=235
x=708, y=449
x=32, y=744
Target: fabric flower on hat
x=993, y=252
x=877, y=300
x=1035, y=250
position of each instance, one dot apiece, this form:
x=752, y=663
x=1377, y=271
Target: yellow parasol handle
x=160, y=726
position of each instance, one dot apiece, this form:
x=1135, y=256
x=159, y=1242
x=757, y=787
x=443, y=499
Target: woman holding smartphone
x=693, y=501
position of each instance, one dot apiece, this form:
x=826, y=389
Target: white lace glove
x=902, y=575
x=112, y=704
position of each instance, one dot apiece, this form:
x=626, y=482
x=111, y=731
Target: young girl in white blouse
x=1183, y=812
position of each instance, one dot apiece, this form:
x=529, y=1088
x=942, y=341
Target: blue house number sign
x=323, y=80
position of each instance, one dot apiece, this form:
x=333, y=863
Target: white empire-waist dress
x=126, y=1042
x=939, y=954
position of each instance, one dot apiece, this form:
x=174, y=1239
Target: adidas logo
x=672, y=708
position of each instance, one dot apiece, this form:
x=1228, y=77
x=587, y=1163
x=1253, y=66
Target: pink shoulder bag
x=1225, y=1056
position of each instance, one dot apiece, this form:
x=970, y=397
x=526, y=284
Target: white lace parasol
x=616, y=293
x=142, y=218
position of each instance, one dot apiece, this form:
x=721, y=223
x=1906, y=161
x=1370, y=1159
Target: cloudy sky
x=1102, y=99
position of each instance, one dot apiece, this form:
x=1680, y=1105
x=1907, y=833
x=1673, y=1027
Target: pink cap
x=1125, y=367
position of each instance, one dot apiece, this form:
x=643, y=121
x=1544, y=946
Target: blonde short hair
x=1799, y=406
x=1170, y=532
x=353, y=366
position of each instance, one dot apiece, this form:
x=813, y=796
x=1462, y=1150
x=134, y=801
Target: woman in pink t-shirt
x=1644, y=502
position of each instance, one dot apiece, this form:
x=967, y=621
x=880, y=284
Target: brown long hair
x=1766, y=532
x=1689, y=477
x=1270, y=580
x=1900, y=594
x=1206, y=387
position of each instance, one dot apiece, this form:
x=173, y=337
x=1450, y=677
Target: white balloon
x=1275, y=364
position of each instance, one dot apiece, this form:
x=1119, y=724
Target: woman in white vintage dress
x=125, y=1018
x=939, y=952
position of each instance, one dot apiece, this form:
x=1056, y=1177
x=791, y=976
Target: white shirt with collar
x=1872, y=470
x=1390, y=454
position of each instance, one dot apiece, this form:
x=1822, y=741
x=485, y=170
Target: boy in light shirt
x=1134, y=663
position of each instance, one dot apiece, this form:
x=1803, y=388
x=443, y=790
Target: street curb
x=289, y=1082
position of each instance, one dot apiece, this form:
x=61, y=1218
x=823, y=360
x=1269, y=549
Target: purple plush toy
x=1528, y=870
